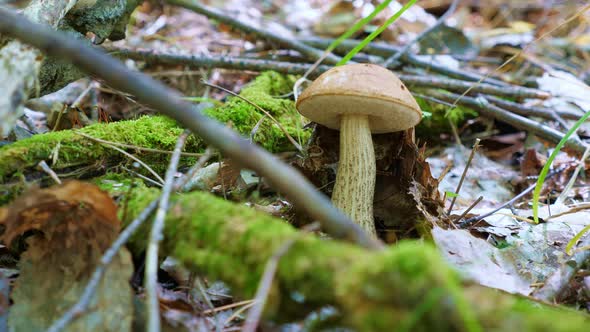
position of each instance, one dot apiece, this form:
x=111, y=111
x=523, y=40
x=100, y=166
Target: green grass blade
x=570, y=245
x=375, y=33
x=545, y=170
x=358, y=25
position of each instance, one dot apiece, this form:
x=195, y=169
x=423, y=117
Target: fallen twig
x=154, y=94
x=492, y=111
x=471, y=155
x=139, y=161
x=473, y=205
x=408, y=58
x=208, y=61
x=134, y=147
x=458, y=85
x=291, y=43
x=43, y=166
x=532, y=110
x=239, y=63
x=511, y=202
x=151, y=257
x=266, y=281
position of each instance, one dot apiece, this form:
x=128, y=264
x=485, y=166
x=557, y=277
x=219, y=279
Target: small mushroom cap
x=360, y=89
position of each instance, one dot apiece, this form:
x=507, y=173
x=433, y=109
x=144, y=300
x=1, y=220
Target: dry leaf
x=73, y=224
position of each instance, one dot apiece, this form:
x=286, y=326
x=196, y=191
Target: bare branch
x=154, y=94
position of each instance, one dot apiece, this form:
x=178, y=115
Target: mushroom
x=358, y=99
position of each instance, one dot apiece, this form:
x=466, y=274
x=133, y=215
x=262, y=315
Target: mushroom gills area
x=355, y=181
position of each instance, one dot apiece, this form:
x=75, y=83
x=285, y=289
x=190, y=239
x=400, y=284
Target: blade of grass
x=357, y=26
x=337, y=42
x=545, y=170
x=375, y=33
x=570, y=245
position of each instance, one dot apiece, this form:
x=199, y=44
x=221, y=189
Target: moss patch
x=440, y=116
x=408, y=286
x=263, y=91
x=66, y=148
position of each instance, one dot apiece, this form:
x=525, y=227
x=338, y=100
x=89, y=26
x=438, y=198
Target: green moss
x=65, y=148
x=440, y=117
x=117, y=184
x=232, y=242
x=423, y=284
x=263, y=91
x=406, y=287
x=9, y=191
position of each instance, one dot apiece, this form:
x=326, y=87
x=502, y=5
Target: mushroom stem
x=355, y=181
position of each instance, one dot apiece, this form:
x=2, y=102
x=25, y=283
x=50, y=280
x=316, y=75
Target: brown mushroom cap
x=360, y=89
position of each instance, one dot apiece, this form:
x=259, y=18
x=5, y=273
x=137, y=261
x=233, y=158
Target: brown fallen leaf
x=72, y=224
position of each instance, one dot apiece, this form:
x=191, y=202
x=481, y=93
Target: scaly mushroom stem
x=355, y=182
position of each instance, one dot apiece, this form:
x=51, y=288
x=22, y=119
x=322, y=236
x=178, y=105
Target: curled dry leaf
x=73, y=225
x=73, y=211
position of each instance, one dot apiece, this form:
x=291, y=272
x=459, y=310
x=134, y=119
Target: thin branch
x=151, y=258
x=208, y=61
x=532, y=110
x=227, y=307
x=82, y=305
x=284, y=41
x=460, y=184
x=492, y=111
x=45, y=168
x=141, y=176
x=511, y=202
x=407, y=58
x=458, y=85
x=154, y=94
x=134, y=147
x=392, y=60
x=208, y=301
x=474, y=204
x=139, y=161
x=240, y=63
x=266, y=281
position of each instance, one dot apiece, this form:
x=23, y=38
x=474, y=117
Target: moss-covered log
x=68, y=149
x=407, y=286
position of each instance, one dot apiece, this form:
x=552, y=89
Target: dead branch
x=290, y=43
x=492, y=111
x=239, y=63
x=154, y=94
x=408, y=58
